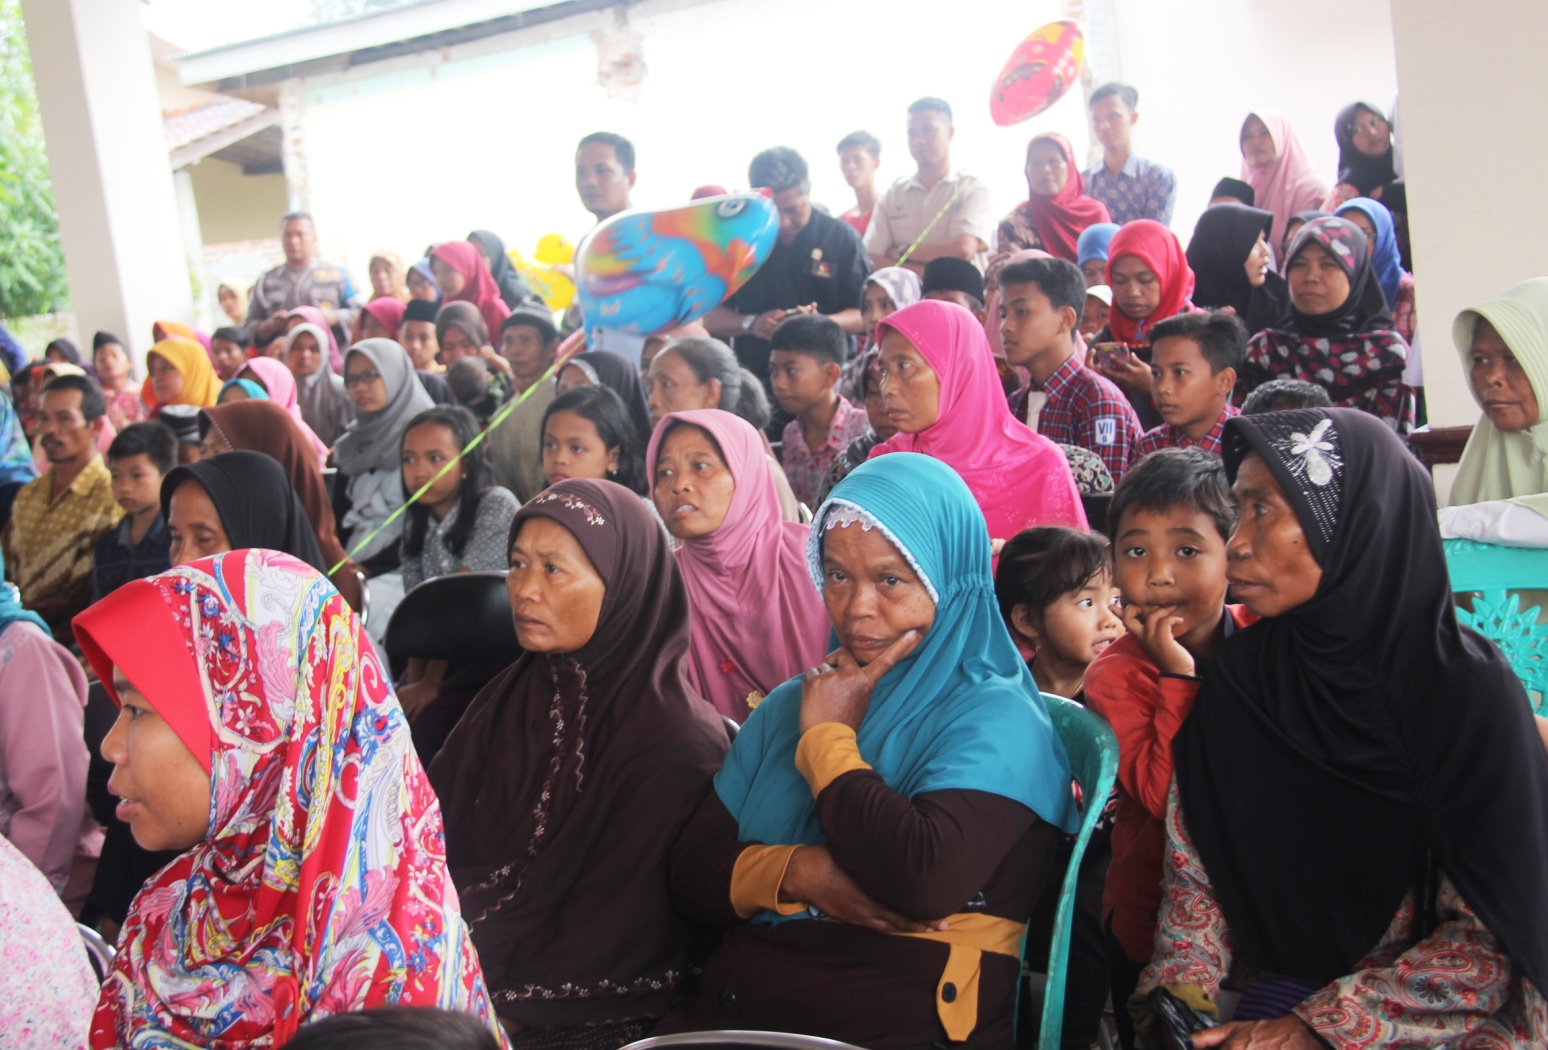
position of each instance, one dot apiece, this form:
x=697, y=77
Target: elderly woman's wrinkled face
x=674, y=387
x=910, y=389
x=1500, y=383
x=1269, y=564
x=164, y=791
x=556, y=593
x=873, y=595
x=1047, y=170
x=194, y=525
x=693, y=487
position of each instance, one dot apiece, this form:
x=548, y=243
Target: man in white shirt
x=947, y=212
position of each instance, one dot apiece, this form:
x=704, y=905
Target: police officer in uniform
x=301, y=281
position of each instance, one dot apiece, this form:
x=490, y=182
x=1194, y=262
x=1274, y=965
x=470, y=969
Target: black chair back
x=463, y=618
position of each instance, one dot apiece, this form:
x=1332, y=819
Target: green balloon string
x=920, y=239
x=560, y=360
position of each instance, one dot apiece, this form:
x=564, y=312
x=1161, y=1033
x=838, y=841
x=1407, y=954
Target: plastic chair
x=464, y=617
x=98, y=951
x=774, y=1040
x=1093, y=752
x=1494, y=572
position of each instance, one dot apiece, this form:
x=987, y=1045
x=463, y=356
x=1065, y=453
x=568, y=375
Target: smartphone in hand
x=1110, y=355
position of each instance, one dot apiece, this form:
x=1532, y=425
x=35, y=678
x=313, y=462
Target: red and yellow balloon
x=1042, y=68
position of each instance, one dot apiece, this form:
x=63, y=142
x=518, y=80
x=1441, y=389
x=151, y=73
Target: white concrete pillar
x=298, y=183
x=1471, y=81
x=107, y=156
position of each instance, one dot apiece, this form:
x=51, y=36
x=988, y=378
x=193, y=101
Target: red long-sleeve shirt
x=1146, y=709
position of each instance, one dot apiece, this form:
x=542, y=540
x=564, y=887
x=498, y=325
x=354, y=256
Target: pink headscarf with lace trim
x=1019, y=478
x=756, y=619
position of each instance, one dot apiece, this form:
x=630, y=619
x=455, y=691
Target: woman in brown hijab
x=263, y=426
x=567, y=781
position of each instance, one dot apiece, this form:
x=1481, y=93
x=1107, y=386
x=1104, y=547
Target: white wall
x=417, y=154
x=1473, y=82
x=1202, y=65
x=404, y=153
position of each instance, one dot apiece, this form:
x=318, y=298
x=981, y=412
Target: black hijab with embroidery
x=1334, y=748
x=565, y=784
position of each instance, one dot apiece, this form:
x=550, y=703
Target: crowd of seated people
x=788, y=587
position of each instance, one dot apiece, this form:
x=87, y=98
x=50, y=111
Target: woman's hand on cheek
x=839, y=689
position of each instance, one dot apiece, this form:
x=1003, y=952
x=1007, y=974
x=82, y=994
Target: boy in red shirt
x=1169, y=520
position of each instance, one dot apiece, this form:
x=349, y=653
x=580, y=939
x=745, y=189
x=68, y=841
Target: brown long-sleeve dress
x=967, y=854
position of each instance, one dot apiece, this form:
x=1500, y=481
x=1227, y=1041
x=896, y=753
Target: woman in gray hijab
x=380, y=379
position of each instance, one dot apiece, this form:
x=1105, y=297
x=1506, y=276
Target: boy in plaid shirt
x=1041, y=304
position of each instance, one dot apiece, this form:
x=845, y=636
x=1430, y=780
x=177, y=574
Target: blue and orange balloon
x=649, y=271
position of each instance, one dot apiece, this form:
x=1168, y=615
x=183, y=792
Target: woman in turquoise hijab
x=884, y=823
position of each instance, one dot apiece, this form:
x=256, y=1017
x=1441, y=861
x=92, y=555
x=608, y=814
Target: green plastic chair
x=1093, y=752
x=1494, y=573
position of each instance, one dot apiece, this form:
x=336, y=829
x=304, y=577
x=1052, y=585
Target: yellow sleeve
x=755, y=881
x=826, y=752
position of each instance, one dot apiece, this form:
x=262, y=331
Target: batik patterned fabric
x=1351, y=351
x=321, y=885
x=1454, y=987
x=1363, y=371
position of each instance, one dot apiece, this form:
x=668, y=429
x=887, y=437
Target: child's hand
x=1153, y=630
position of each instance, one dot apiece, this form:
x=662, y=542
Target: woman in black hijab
x=565, y=784
x=1233, y=266
x=253, y=504
x=1339, y=331
x=513, y=290
x=1367, y=166
x=1361, y=817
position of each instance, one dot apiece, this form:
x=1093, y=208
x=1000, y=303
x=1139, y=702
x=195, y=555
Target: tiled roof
x=185, y=126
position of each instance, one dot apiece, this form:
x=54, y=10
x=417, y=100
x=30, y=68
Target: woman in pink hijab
x=463, y=274
x=942, y=391
x=756, y=620
x=280, y=384
x=1284, y=179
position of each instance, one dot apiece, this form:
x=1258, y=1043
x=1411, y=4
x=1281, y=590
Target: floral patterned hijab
x=321, y=885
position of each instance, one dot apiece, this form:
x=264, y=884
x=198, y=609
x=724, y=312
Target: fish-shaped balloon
x=647, y=271
x=1038, y=73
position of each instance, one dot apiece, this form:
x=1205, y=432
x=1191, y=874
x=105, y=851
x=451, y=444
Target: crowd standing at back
x=788, y=586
